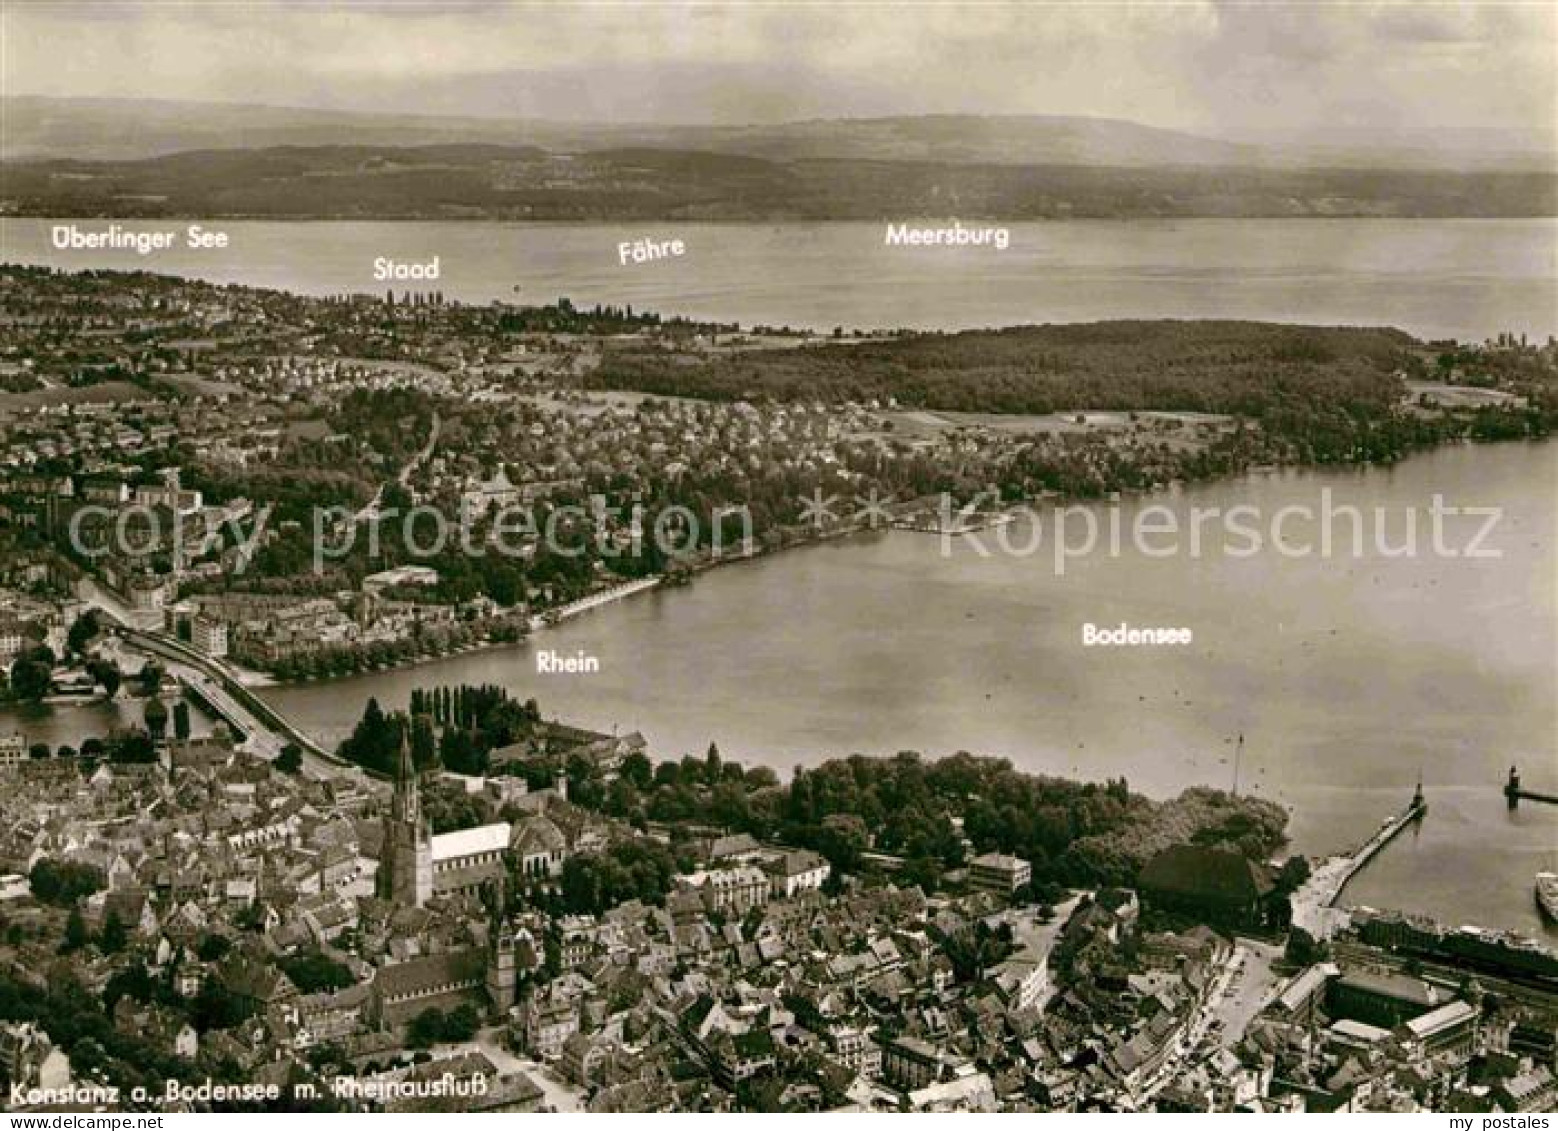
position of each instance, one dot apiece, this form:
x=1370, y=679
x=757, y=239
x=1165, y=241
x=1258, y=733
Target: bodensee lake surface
x=1433, y=278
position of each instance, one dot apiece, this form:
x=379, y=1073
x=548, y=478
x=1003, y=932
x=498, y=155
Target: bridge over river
x=266, y=731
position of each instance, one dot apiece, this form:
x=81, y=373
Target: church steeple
x=407, y=803
x=406, y=862
x=502, y=970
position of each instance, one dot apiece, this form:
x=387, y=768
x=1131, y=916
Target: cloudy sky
x=1208, y=66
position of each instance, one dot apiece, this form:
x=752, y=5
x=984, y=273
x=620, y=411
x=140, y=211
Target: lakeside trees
x=290, y=760
x=156, y=715
x=452, y=727
x=925, y=813
x=31, y=677
x=919, y=811
x=83, y=630
x=106, y=674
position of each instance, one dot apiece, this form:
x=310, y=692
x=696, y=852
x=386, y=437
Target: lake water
x=1347, y=677
x=1434, y=278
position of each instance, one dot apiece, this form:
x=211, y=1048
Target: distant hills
x=111, y=129
x=128, y=129
x=149, y=158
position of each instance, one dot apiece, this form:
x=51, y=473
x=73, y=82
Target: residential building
x=729, y=890
x=208, y=636
x=999, y=873
x=13, y=750
x=797, y=871
x=30, y=1058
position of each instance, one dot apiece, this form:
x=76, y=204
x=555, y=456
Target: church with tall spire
x=405, y=874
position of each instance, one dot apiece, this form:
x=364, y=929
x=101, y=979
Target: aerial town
x=471, y=905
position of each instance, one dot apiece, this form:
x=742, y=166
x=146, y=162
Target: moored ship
x=1547, y=895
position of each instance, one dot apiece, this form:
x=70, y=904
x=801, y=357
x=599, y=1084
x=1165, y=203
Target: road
x=148, y=620
x=1240, y=989
x=593, y=601
x=1254, y=984
x=559, y=1094
x=371, y=510
x=221, y=685
x=1196, y=1027
x=260, y=740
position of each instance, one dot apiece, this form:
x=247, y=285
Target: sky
x=1307, y=69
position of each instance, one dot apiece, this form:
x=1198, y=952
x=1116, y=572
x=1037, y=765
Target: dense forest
x=1246, y=368
x=1320, y=394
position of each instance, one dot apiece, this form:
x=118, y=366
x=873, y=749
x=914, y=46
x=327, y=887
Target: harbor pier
x=1514, y=794
x=1314, y=904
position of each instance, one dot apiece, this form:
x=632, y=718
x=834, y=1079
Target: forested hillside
x=1246, y=368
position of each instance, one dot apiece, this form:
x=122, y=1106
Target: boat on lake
x=1547, y=895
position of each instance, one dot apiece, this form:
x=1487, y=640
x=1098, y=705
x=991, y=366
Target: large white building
x=11, y=641
x=995, y=872
x=208, y=636
x=468, y=859
x=729, y=890
x=1023, y=980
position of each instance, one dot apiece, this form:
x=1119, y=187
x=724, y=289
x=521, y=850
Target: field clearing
x=920, y=422
x=1458, y=396
x=599, y=401
x=203, y=386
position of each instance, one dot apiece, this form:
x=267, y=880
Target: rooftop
x=468, y=842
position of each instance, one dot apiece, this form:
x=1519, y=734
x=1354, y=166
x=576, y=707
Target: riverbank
x=535, y=624
x=259, y=680
x=593, y=601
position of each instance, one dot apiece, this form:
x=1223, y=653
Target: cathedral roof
x=469, y=842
